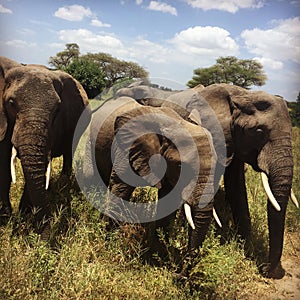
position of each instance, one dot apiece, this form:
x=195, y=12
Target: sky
x=168, y=38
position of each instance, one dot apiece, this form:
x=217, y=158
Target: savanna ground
x=85, y=261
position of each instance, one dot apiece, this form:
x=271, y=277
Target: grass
x=85, y=261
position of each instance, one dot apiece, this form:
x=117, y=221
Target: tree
x=95, y=72
x=294, y=110
x=241, y=72
x=65, y=57
x=116, y=69
x=88, y=74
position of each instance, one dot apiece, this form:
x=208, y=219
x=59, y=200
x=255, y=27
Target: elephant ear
x=136, y=134
x=5, y=65
x=71, y=92
x=238, y=98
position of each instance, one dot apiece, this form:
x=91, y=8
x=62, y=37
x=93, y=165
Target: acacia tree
x=91, y=77
x=95, y=71
x=65, y=57
x=115, y=69
x=241, y=72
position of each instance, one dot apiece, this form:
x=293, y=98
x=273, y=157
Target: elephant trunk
x=279, y=168
x=31, y=143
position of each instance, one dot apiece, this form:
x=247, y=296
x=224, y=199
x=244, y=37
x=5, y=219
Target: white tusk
x=294, y=199
x=13, y=164
x=269, y=193
x=188, y=214
x=48, y=174
x=217, y=218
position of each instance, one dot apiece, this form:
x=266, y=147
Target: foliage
x=115, y=69
x=241, y=72
x=96, y=71
x=86, y=261
x=65, y=57
x=294, y=109
x=88, y=74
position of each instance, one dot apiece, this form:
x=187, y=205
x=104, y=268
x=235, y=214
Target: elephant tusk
x=294, y=199
x=268, y=191
x=217, y=218
x=188, y=214
x=48, y=174
x=13, y=165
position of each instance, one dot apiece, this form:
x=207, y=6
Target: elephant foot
x=5, y=215
x=276, y=272
x=45, y=232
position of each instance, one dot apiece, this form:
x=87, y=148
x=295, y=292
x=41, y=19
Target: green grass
x=85, y=261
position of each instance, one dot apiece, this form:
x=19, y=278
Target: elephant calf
x=135, y=145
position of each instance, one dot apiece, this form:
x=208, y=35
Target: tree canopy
x=294, y=108
x=88, y=74
x=115, y=69
x=95, y=71
x=65, y=57
x=241, y=72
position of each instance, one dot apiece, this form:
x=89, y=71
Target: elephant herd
x=181, y=142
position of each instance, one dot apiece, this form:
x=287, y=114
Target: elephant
x=39, y=111
x=135, y=145
x=257, y=131
x=143, y=91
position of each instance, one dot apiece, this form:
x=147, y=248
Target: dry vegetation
x=85, y=261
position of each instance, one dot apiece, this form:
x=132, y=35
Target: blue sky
x=168, y=38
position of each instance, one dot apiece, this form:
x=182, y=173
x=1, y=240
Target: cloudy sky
x=168, y=38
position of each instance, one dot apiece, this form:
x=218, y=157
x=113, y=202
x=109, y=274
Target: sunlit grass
x=85, y=261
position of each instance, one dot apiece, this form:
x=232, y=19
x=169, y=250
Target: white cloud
x=231, y=6
x=19, y=44
x=5, y=10
x=26, y=31
x=162, y=7
x=73, y=13
x=205, y=41
x=148, y=51
x=98, y=23
x=280, y=43
x=90, y=42
x=138, y=2
x=269, y=63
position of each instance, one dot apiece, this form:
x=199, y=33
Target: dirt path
x=289, y=286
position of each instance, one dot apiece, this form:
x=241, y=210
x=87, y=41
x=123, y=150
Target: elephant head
x=39, y=110
x=178, y=142
x=257, y=130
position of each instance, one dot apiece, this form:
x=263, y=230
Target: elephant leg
x=165, y=222
x=5, y=206
x=25, y=206
x=202, y=219
x=118, y=192
x=67, y=159
x=5, y=182
x=236, y=195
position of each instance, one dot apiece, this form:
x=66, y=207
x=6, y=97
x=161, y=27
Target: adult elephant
x=257, y=131
x=39, y=110
x=135, y=145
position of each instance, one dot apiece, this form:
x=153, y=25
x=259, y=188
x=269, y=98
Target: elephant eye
x=262, y=105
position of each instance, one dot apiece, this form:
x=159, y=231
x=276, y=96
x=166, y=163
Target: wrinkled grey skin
x=116, y=114
x=140, y=92
x=39, y=110
x=257, y=130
